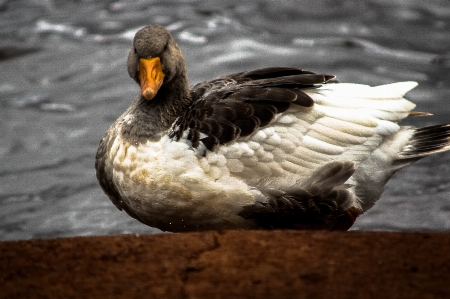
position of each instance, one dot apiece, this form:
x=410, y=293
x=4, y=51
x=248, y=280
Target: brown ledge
x=231, y=264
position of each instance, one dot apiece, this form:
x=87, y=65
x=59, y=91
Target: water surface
x=63, y=82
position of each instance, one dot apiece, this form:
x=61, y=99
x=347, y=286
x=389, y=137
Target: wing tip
x=400, y=87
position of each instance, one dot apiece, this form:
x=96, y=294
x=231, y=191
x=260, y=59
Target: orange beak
x=151, y=76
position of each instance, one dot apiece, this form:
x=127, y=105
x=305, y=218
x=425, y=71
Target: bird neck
x=150, y=120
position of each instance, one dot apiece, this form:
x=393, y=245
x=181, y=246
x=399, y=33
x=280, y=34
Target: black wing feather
x=239, y=104
x=315, y=204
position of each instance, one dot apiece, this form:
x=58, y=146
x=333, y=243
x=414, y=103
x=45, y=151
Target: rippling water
x=63, y=82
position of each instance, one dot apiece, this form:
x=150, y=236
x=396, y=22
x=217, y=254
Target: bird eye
x=135, y=51
x=165, y=46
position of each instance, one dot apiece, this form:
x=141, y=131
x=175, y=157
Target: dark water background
x=63, y=82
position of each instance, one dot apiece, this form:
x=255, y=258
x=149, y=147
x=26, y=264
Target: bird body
x=270, y=148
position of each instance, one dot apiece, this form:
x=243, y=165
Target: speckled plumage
x=270, y=148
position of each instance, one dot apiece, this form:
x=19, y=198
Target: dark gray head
x=150, y=43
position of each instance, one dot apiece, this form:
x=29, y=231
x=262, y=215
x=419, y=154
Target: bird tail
x=426, y=141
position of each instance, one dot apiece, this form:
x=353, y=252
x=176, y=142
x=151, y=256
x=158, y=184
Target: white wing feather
x=348, y=122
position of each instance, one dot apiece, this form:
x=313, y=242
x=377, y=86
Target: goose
x=271, y=148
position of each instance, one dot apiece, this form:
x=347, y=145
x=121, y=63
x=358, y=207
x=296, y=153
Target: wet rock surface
x=230, y=264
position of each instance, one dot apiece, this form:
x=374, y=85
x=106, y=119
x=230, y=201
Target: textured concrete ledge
x=231, y=264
